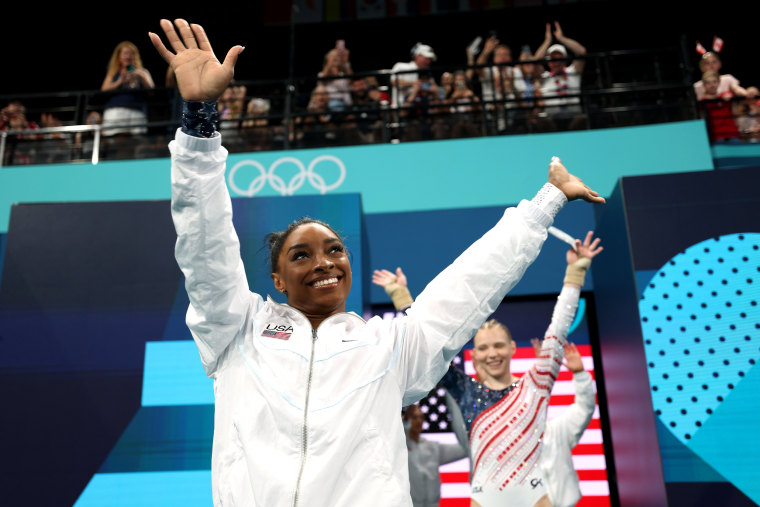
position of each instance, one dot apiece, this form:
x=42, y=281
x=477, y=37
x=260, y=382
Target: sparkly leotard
x=506, y=426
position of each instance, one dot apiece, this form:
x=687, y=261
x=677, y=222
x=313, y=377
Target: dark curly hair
x=275, y=240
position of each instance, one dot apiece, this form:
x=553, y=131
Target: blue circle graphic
x=701, y=328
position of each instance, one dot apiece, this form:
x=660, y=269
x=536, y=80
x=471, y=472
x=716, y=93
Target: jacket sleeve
x=576, y=418
x=456, y=302
x=207, y=249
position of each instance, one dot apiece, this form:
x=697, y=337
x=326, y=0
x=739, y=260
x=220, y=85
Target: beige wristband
x=576, y=272
x=400, y=295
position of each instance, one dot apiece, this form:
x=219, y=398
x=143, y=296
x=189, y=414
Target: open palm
x=200, y=77
x=587, y=248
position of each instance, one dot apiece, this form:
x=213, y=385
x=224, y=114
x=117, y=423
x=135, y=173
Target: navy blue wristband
x=199, y=119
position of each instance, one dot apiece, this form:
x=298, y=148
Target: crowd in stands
x=492, y=92
x=730, y=110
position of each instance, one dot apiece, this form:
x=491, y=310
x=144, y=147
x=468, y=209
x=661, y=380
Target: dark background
x=66, y=46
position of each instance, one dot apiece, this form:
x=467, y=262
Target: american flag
x=588, y=455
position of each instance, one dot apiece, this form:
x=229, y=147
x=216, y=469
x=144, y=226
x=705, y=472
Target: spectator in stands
x=51, y=120
x=317, y=127
x=562, y=79
x=710, y=61
x=376, y=92
x=256, y=113
x=496, y=81
x=54, y=147
x=13, y=117
x=718, y=110
x=749, y=120
x=464, y=107
x=257, y=133
x=527, y=82
x=419, y=106
x=366, y=112
x=425, y=456
x=337, y=64
x=231, y=106
x=565, y=431
x=447, y=85
x=127, y=75
x=404, y=73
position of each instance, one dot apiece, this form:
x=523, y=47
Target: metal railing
x=619, y=88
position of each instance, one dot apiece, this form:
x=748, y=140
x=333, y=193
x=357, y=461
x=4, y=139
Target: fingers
x=201, y=37
x=593, y=196
x=165, y=53
x=171, y=36
x=587, y=240
x=231, y=59
x=399, y=272
x=188, y=37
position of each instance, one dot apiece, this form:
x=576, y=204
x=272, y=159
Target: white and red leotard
x=506, y=426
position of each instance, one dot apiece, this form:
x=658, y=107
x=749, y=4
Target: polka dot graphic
x=701, y=328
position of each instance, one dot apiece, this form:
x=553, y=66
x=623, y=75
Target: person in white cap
x=403, y=80
x=563, y=79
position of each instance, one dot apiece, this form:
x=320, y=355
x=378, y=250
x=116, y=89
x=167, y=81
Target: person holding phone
x=337, y=63
x=127, y=76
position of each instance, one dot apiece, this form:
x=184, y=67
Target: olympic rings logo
x=278, y=183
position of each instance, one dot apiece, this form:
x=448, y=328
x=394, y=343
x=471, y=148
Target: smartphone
x=475, y=45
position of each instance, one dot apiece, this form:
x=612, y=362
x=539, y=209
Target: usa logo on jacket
x=279, y=331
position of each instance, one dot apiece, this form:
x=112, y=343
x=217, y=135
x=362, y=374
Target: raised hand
x=587, y=248
x=383, y=277
x=490, y=44
x=548, y=33
x=200, y=76
x=558, y=31
x=536, y=343
x=572, y=186
x=573, y=359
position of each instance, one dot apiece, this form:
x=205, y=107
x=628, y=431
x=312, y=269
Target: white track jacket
x=311, y=417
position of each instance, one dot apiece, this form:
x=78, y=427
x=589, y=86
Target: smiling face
x=314, y=271
x=493, y=351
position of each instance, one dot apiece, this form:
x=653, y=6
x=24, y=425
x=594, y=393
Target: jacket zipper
x=304, y=433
